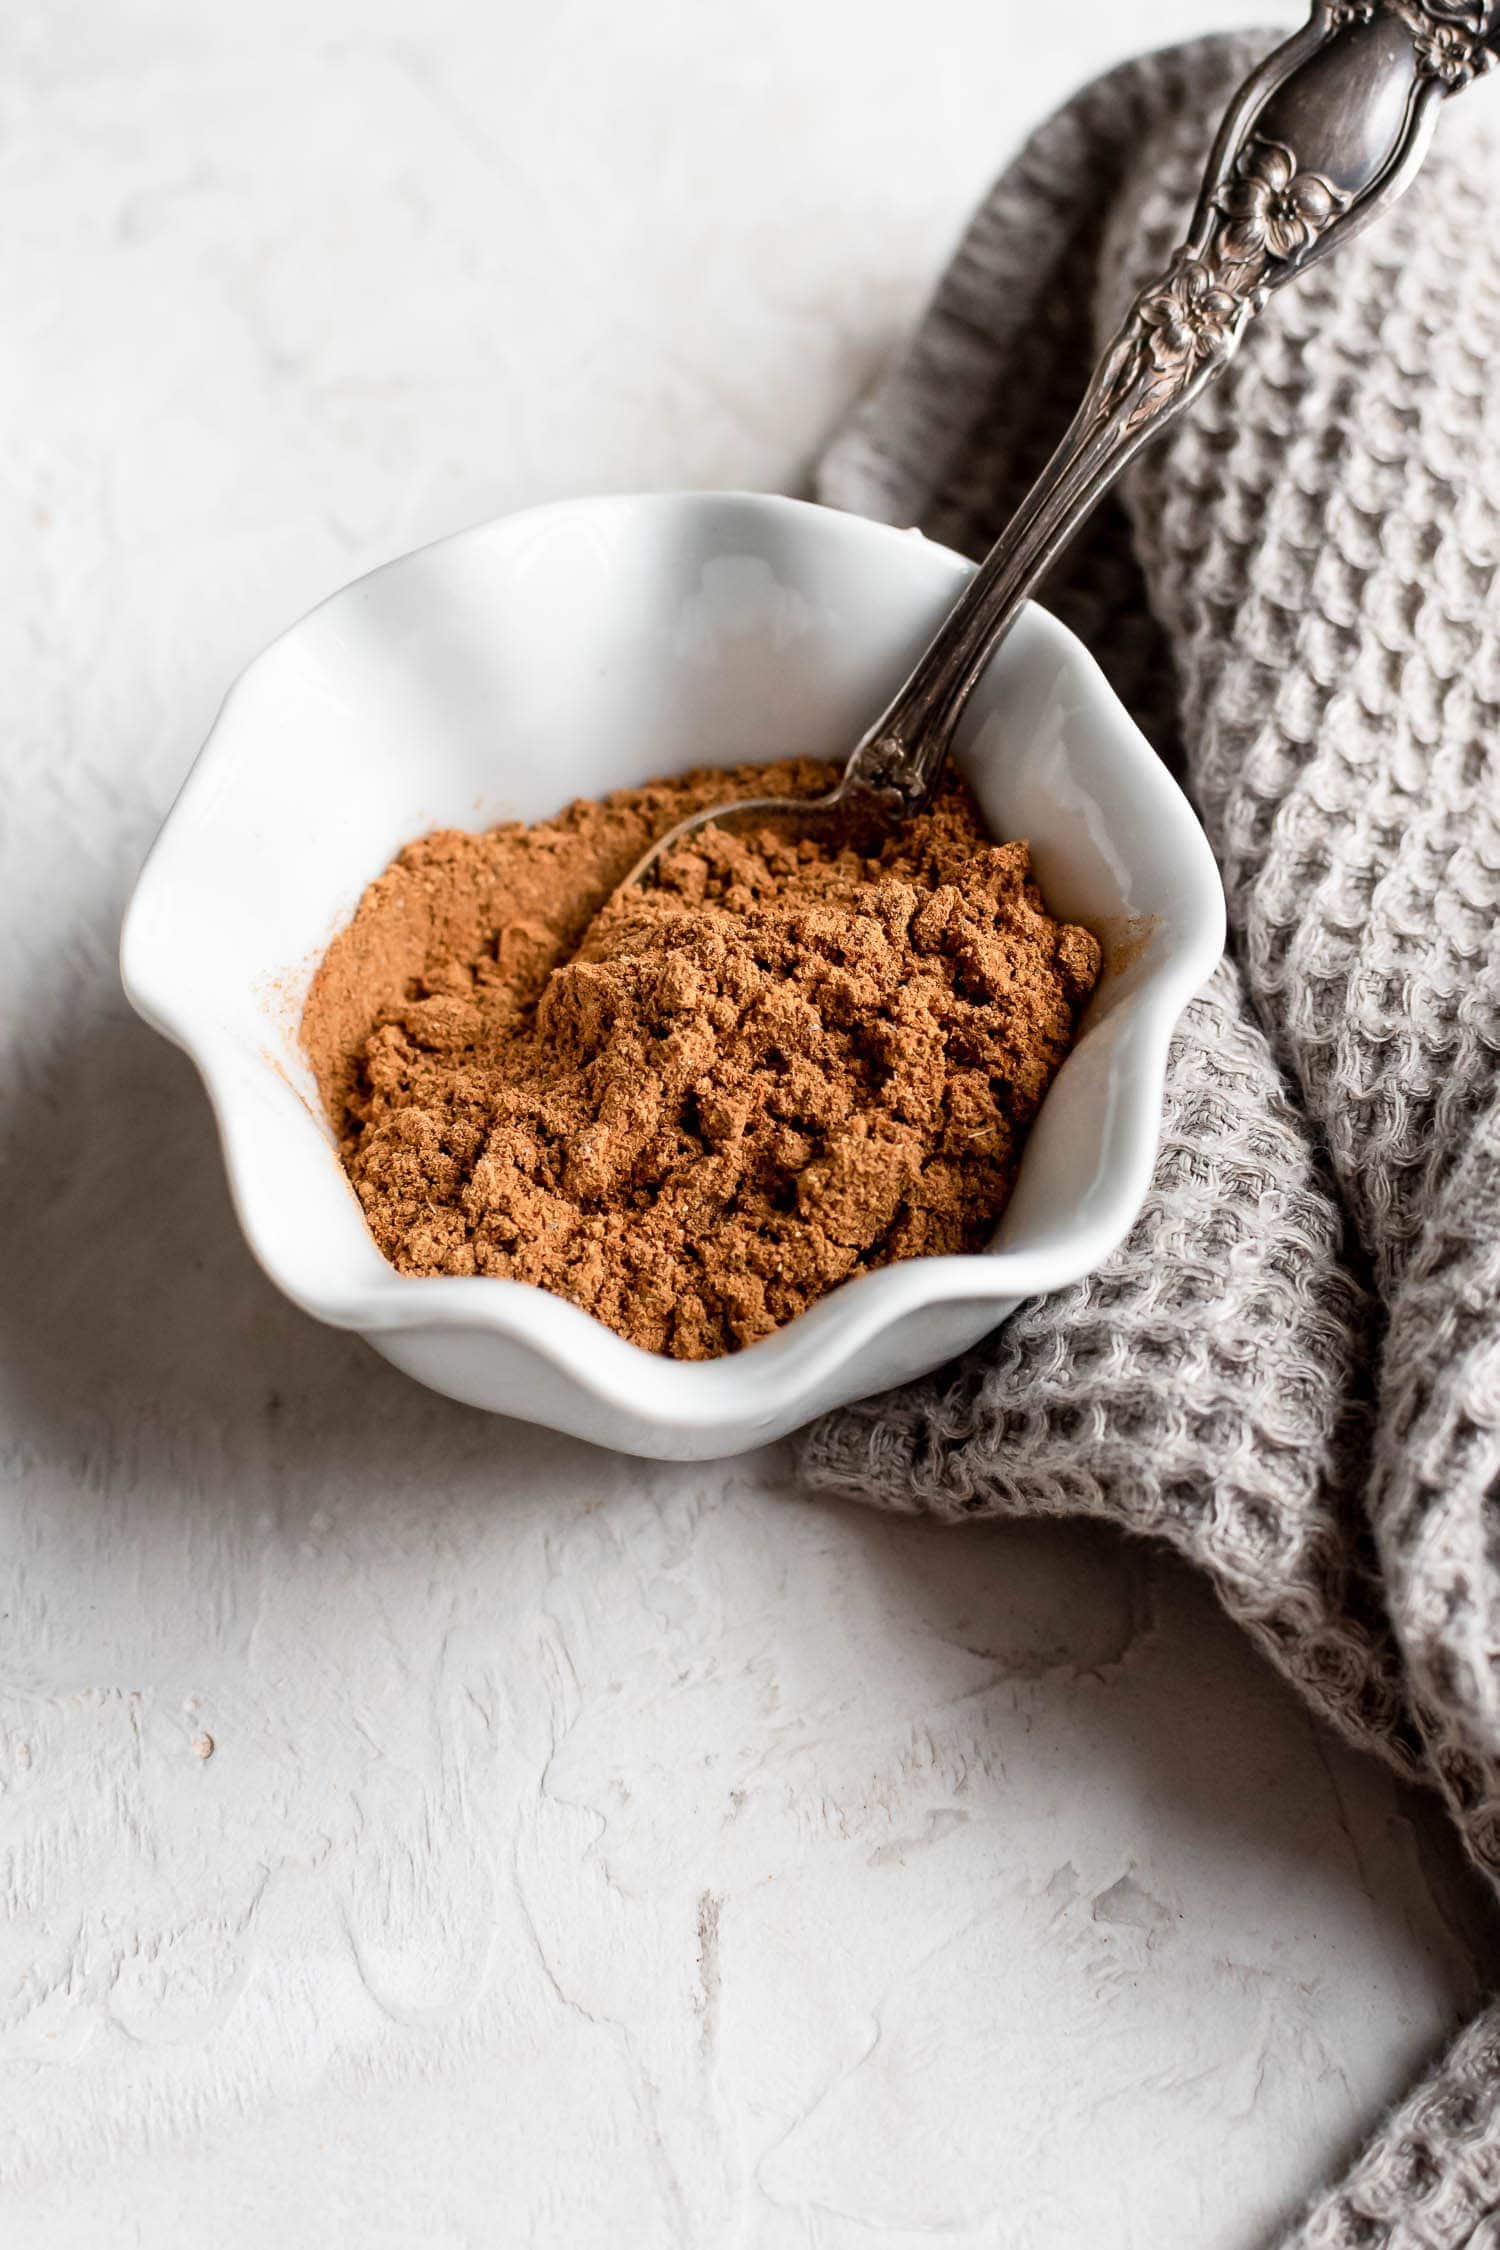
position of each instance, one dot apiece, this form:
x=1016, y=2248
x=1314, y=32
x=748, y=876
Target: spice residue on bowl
x=698, y=1110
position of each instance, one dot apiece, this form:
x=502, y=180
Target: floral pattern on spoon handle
x=1318, y=142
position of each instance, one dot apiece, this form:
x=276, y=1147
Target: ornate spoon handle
x=1327, y=133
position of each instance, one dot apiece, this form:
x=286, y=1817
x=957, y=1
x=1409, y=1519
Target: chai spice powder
x=697, y=1111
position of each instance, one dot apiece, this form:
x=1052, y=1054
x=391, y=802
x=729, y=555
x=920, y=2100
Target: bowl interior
x=585, y=646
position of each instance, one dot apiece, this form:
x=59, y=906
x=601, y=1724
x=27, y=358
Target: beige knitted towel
x=1292, y=1369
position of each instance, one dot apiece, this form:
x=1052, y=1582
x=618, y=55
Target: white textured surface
x=586, y=1854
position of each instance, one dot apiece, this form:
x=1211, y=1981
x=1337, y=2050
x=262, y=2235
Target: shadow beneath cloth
x=1084, y=1608
x=134, y=1321
x=1187, y=1822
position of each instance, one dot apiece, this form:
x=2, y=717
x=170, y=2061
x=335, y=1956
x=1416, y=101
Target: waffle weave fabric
x=1291, y=1371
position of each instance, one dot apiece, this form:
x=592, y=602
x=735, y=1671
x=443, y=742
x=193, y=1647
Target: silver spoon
x=1318, y=141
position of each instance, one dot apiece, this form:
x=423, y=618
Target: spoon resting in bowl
x=1319, y=140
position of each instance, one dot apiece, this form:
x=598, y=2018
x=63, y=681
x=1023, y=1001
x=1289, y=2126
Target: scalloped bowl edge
x=759, y=578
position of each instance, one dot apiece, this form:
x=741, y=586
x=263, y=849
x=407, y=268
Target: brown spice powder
x=697, y=1111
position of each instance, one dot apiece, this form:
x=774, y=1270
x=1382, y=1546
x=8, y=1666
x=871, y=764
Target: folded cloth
x=1291, y=1371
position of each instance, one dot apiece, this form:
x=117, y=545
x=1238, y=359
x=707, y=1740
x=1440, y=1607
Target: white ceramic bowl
x=565, y=652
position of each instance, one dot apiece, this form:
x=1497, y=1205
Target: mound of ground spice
x=698, y=1110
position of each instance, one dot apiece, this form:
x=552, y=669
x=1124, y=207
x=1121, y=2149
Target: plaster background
x=418, y=1830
